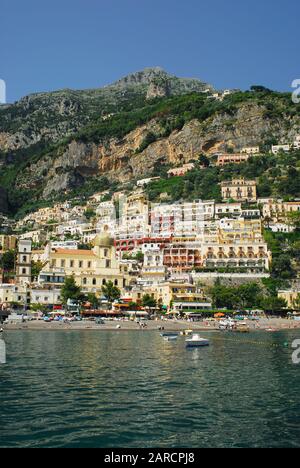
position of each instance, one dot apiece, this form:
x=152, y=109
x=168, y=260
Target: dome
x=103, y=240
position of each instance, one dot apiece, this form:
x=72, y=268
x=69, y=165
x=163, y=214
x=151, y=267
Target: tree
x=203, y=160
x=36, y=268
x=296, y=302
x=93, y=299
x=223, y=296
x=282, y=267
x=248, y=295
x=294, y=219
x=70, y=290
x=274, y=304
x=148, y=301
x=7, y=261
x=89, y=213
x=111, y=292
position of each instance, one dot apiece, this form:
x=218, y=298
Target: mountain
x=56, y=144
x=49, y=117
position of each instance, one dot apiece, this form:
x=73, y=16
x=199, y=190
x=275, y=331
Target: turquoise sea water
x=132, y=389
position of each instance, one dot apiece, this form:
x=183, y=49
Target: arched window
x=94, y=281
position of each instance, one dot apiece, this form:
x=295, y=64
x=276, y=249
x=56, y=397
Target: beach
x=167, y=325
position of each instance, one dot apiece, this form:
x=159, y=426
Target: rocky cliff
x=120, y=159
x=51, y=143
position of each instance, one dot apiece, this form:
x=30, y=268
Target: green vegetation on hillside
x=276, y=175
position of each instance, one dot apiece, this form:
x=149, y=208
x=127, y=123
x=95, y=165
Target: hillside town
x=169, y=253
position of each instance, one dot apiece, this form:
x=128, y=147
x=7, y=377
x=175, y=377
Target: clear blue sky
x=48, y=45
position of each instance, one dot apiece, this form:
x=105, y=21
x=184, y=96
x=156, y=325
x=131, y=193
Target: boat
x=170, y=337
x=186, y=333
x=227, y=324
x=242, y=327
x=196, y=341
x=168, y=334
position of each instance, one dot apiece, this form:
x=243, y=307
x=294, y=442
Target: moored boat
x=196, y=341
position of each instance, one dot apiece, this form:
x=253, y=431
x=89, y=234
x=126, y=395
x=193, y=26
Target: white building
x=297, y=142
x=251, y=150
x=281, y=148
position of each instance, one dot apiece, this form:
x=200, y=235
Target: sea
x=118, y=389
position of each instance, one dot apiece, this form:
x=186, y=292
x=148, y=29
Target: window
x=104, y=282
x=89, y=264
x=84, y=280
x=107, y=263
x=24, y=258
x=94, y=281
x=23, y=271
x=62, y=263
x=80, y=264
x=71, y=263
x=116, y=282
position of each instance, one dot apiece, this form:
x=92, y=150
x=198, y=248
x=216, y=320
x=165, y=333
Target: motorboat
x=196, y=341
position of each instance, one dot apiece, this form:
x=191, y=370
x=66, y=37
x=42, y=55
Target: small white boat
x=196, y=341
x=170, y=337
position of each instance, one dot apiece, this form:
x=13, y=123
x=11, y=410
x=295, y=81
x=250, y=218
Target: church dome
x=103, y=240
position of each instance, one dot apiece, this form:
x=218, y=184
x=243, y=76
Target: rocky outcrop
x=121, y=160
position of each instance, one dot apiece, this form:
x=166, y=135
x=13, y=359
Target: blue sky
x=48, y=45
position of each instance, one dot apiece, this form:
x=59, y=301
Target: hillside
x=66, y=142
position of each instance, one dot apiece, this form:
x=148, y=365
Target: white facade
x=278, y=148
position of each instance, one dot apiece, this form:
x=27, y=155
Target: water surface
x=132, y=389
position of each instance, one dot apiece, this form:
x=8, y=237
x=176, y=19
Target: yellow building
x=92, y=269
x=240, y=190
x=169, y=293
x=290, y=296
x=278, y=211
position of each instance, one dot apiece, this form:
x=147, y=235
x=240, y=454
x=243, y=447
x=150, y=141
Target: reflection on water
x=133, y=389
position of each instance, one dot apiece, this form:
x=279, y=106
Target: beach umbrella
x=219, y=315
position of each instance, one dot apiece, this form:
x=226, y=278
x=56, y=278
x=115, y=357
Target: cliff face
x=121, y=160
x=51, y=143
x=50, y=117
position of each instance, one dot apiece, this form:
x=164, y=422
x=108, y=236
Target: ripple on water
x=132, y=389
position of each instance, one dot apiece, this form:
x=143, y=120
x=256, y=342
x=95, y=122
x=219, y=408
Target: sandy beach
x=168, y=325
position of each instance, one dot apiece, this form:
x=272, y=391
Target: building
x=92, y=269
x=180, y=219
x=45, y=295
x=240, y=190
x=251, y=150
x=290, y=296
x=179, y=296
x=7, y=243
x=154, y=269
x=23, y=263
x=228, y=158
x=181, y=171
x=296, y=143
x=285, y=148
x=228, y=210
x=134, y=216
x=144, y=182
x=279, y=210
